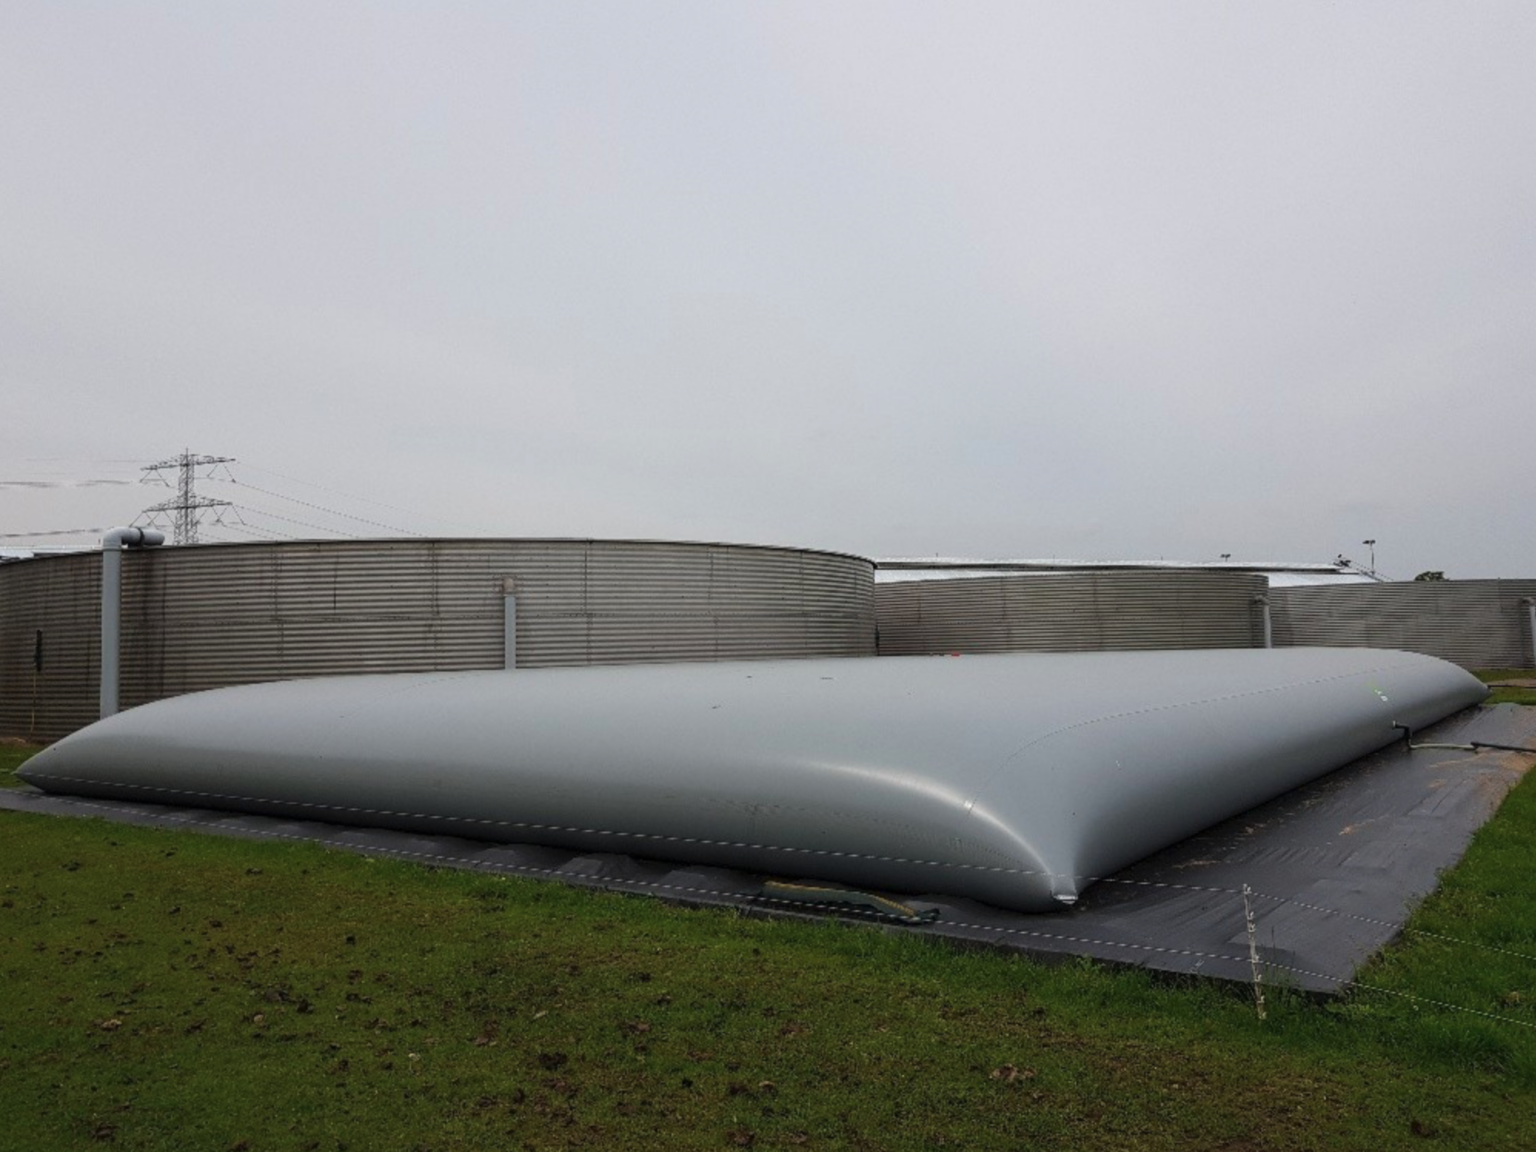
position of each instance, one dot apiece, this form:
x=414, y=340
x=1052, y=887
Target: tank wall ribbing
x=206, y=617
x=1474, y=623
x=54, y=603
x=1072, y=612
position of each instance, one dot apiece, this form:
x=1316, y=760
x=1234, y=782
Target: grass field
x=1526, y=694
x=163, y=990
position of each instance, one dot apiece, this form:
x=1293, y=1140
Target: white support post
x=112, y=545
x=1269, y=633
x=111, y=623
x=509, y=624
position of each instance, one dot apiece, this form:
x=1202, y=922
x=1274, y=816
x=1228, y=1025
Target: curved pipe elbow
x=119, y=538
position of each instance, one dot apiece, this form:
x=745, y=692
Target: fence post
x=1253, y=952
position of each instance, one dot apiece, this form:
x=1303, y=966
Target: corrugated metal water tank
x=50, y=645
x=1070, y=612
x=216, y=615
x=1474, y=623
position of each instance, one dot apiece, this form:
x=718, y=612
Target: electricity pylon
x=187, y=507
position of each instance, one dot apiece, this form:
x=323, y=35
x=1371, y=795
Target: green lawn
x=12, y=757
x=1521, y=695
x=165, y=990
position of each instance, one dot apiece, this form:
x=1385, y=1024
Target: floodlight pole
x=112, y=545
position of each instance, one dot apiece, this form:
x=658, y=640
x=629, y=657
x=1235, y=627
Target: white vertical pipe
x=1269, y=632
x=111, y=612
x=112, y=545
x=509, y=624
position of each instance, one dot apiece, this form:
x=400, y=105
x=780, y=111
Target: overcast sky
x=1129, y=281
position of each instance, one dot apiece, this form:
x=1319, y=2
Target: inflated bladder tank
x=1012, y=778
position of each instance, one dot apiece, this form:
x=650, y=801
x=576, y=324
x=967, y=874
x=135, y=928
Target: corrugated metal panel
x=1078, y=612
x=1474, y=623
x=206, y=617
x=59, y=596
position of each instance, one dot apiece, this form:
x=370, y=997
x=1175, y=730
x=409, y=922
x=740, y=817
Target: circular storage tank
x=1070, y=612
x=208, y=616
x=1474, y=623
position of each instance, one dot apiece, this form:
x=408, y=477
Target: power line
x=188, y=511
x=62, y=483
x=261, y=532
x=134, y=460
x=53, y=532
x=348, y=495
x=292, y=520
x=321, y=508
x=244, y=532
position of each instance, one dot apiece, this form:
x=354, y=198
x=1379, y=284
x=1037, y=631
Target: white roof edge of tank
x=1279, y=573
x=34, y=551
x=1057, y=563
